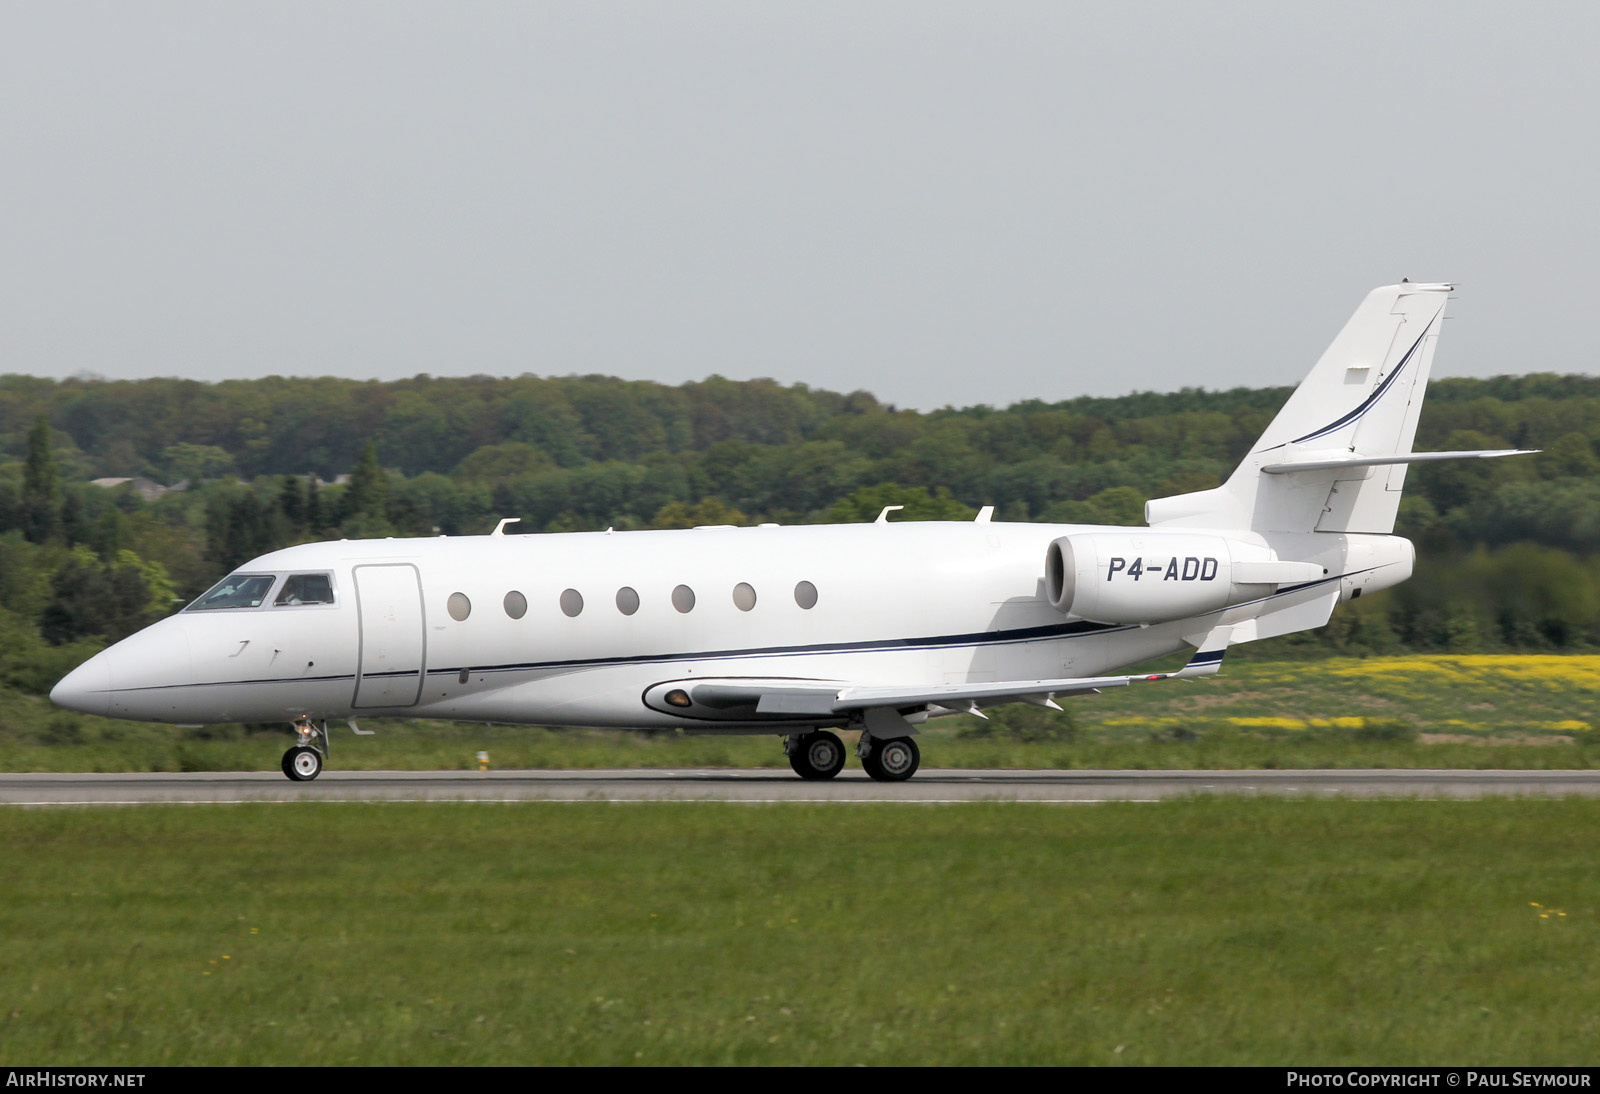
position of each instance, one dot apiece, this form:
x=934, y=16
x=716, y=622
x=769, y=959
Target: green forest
x=1509, y=550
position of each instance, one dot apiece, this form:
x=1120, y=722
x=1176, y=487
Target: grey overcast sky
x=942, y=203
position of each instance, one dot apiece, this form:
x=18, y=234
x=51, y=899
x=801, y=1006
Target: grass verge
x=1203, y=931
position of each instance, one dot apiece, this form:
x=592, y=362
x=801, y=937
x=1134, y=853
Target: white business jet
x=802, y=631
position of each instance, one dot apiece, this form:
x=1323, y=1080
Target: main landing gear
x=820, y=755
x=891, y=761
x=815, y=755
x=303, y=762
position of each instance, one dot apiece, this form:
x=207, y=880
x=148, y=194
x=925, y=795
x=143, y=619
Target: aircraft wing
x=778, y=699
x=992, y=693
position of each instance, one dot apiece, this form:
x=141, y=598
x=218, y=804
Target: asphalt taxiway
x=759, y=785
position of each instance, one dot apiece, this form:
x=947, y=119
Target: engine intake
x=1156, y=577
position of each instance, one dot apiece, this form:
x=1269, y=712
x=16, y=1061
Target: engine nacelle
x=1156, y=577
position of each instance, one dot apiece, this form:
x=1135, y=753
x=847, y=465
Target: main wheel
x=892, y=761
x=818, y=756
x=302, y=764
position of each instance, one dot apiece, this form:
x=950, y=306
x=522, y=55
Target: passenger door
x=393, y=639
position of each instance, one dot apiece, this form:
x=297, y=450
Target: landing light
x=678, y=697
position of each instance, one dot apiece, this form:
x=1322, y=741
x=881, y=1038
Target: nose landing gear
x=304, y=761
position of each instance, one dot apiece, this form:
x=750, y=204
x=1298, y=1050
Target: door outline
x=361, y=636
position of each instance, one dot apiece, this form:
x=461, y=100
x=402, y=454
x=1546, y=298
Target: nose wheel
x=303, y=762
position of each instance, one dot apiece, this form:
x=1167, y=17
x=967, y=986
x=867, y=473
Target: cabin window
x=805, y=595
x=572, y=602
x=516, y=604
x=744, y=596
x=236, y=591
x=683, y=598
x=627, y=601
x=459, y=606
x=305, y=589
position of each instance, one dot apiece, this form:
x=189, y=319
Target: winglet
x=1208, y=653
x=1203, y=663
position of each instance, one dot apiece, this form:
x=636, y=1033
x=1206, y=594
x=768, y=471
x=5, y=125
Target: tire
x=819, y=756
x=894, y=760
x=302, y=764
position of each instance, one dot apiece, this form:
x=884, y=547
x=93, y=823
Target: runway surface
x=768, y=785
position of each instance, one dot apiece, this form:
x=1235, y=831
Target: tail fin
x=1354, y=418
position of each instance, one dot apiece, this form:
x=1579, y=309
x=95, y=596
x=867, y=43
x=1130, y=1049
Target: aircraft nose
x=86, y=688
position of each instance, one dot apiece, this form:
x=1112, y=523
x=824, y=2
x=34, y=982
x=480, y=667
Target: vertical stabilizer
x=1362, y=400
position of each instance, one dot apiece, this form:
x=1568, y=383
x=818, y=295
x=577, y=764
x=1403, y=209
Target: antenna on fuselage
x=500, y=529
x=883, y=517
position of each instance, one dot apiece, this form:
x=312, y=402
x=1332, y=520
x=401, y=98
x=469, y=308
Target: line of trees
x=1507, y=548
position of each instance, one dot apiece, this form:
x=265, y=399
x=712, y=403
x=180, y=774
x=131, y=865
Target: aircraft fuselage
x=586, y=628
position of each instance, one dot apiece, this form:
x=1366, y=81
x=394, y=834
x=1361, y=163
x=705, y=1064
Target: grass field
x=1480, y=711
x=1190, y=932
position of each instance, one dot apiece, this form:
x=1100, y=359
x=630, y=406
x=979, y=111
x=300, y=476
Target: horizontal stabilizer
x=1339, y=463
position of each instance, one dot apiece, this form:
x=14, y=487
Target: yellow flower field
x=1581, y=670
x=1488, y=694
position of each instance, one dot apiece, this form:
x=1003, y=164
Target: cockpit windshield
x=306, y=589
x=236, y=591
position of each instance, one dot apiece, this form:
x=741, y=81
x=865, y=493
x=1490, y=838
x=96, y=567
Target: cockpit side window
x=236, y=591
x=306, y=589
